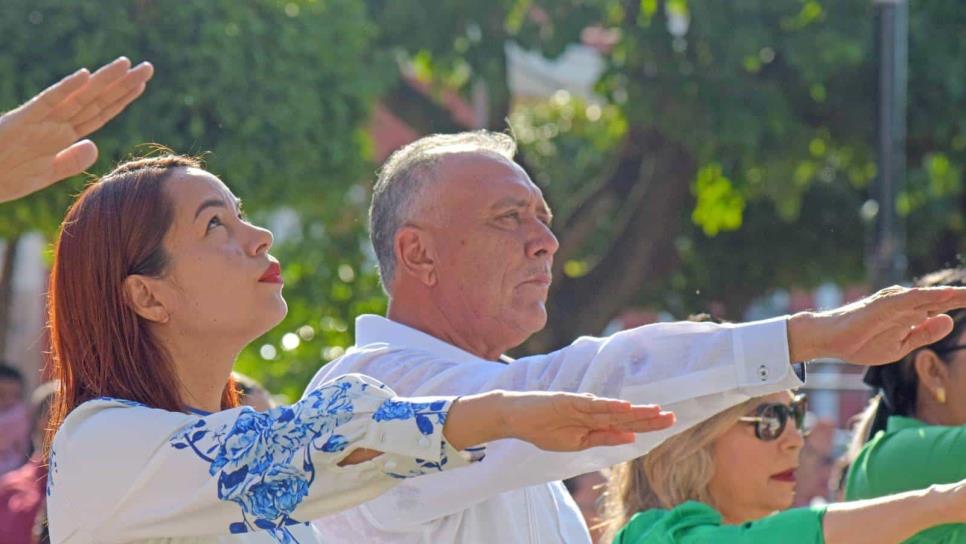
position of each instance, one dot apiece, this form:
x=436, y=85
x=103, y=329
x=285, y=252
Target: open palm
x=572, y=422
x=39, y=140
x=878, y=329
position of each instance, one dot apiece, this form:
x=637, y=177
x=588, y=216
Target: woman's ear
x=414, y=254
x=141, y=294
x=933, y=373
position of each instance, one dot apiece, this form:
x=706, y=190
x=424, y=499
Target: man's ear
x=932, y=372
x=415, y=254
x=141, y=294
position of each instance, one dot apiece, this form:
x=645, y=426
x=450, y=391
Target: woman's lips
x=787, y=476
x=273, y=274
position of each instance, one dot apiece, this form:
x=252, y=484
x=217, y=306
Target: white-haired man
x=465, y=251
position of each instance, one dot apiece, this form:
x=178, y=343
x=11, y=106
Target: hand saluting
x=39, y=140
x=552, y=421
x=878, y=329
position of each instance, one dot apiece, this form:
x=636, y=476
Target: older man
x=465, y=250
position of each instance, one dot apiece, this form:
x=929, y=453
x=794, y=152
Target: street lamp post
x=887, y=259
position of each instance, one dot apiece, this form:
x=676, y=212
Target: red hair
x=101, y=346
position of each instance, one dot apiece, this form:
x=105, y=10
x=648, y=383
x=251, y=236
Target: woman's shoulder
x=113, y=423
x=660, y=525
x=698, y=523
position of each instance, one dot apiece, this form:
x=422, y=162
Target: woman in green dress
x=914, y=432
x=731, y=478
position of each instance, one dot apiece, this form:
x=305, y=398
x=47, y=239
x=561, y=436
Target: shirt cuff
x=410, y=432
x=761, y=354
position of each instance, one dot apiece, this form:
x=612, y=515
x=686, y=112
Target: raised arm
x=886, y=520
x=39, y=140
x=894, y=518
x=164, y=474
x=692, y=369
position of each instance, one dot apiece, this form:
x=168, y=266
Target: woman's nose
x=792, y=437
x=261, y=240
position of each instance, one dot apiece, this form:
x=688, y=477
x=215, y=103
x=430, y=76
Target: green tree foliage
x=278, y=92
x=747, y=129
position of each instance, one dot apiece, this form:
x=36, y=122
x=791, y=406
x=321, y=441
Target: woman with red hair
x=158, y=283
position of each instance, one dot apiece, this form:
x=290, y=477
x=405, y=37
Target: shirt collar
x=373, y=329
x=898, y=423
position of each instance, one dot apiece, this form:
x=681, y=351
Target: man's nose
x=542, y=242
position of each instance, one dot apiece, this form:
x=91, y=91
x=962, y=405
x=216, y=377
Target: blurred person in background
x=22, y=496
x=913, y=434
x=158, y=282
x=586, y=491
x=252, y=393
x=14, y=420
x=731, y=478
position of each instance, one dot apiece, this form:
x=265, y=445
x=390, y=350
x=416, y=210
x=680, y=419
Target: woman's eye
x=214, y=222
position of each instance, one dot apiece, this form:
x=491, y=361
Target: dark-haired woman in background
x=158, y=283
x=914, y=432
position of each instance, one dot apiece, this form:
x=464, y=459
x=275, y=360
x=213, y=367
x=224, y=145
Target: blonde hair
x=677, y=471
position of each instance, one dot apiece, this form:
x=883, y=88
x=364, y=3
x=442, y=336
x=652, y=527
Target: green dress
x=698, y=523
x=909, y=455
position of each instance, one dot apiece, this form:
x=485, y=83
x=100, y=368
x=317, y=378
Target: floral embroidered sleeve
x=165, y=474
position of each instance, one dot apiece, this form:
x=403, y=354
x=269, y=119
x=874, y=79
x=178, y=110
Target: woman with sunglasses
x=731, y=479
x=158, y=283
x=914, y=432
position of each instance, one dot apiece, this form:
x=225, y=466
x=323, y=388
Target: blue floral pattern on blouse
x=263, y=459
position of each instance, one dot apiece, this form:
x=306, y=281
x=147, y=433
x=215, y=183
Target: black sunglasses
x=770, y=419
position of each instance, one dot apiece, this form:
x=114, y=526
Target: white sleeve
x=695, y=369
x=123, y=472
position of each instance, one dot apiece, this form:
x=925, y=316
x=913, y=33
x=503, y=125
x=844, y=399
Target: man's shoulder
x=380, y=360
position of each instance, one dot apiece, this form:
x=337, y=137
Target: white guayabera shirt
x=123, y=472
x=695, y=369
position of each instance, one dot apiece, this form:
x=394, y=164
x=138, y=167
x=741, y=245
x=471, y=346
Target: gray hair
x=406, y=173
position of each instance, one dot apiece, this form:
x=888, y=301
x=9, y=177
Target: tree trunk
x=6, y=290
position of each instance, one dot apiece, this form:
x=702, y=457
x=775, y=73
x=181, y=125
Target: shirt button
x=763, y=372
x=424, y=442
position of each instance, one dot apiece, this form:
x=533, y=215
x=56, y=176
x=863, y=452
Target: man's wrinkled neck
x=427, y=318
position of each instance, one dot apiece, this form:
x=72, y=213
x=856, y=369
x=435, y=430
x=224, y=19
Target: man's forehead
x=483, y=172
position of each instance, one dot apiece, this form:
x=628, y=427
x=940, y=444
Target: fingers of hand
x=607, y=438
x=89, y=94
x=639, y=419
x=52, y=96
x=74, y=160
x=590, y=404
x=931, y=330
x=104, y=77
x=936, y=300
x=109, y=112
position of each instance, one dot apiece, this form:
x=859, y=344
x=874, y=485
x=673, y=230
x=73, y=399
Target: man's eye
x=513, y=216
x=214, y=222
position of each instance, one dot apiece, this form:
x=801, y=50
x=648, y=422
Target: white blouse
x=121, y=471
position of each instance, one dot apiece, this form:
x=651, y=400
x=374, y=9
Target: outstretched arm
x=894, y=518
x=39, y=140
x=167, y=474
x=878, y=329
